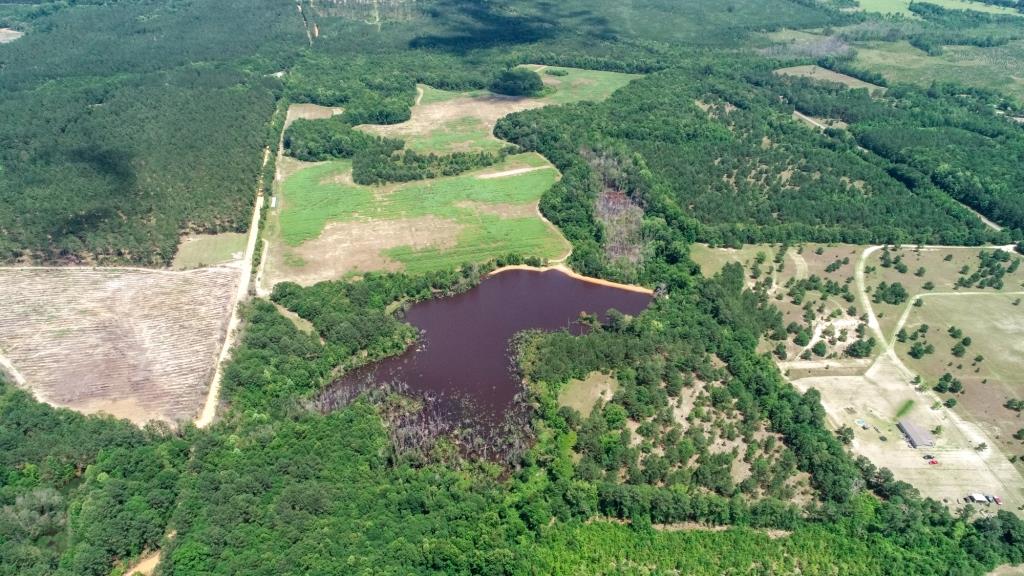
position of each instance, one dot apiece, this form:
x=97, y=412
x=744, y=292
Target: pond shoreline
x=574, y=275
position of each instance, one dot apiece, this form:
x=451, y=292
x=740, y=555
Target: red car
x=933, y=461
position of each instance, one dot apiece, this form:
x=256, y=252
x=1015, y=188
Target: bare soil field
x=824, y=74
x=138, y=344
x=483, y=110
x=309, y=112
x=8, y=35
x=877, y=398
x=358, y=246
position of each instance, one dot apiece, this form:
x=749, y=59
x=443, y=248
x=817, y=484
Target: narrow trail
x=241, y=294
x=419, y=95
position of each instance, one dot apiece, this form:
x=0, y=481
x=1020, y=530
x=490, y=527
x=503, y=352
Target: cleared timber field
x=326, y=227
x=136, y=344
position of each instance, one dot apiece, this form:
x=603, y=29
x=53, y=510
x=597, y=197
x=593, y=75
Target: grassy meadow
x=208, y=249
x=495, y=216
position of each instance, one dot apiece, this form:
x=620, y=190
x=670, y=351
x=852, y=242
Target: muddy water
x=462, y=364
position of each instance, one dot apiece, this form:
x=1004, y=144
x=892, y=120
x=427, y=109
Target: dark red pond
x=462, y=365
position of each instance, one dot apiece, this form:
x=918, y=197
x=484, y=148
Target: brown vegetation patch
x=132, y=343
x=359, y=246
x=509, y=211
x=583, y=395
x=824, y=74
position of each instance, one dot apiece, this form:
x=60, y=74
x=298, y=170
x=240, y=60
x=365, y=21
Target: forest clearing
x=200, y=250
x=325, y=229
x=136, y=344
x=973, y=431
x=324, y=226
x=8, y=35
x=815, y=72
x=445, y=121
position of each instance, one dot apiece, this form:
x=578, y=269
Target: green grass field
x=496, y=216
x=464, y=121
x=579, y=84
x=902, y=6
x=464, y=134
x=208, y=249
x=998, y=68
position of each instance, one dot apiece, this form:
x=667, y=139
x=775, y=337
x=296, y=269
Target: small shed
x=917, y=436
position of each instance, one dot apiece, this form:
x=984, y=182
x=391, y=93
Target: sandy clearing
x=815, y=72
x=427, y=118
x=8, y=35
x=879, y=394
x=512, y=172
x=145, y=566
x=572, y=273
x=359, y=246
x=876, y=397
x=309, y=112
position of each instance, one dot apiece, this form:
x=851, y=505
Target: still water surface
x=462, y=363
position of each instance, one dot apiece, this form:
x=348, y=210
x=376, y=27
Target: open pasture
x=902, y=6
x=326, y=227
x=996, y=328
x=444, y=121
x=133, y=343
x=825, y=75
x=940, y=274
x=199, y=250
x=881, y=397
x=996, y=68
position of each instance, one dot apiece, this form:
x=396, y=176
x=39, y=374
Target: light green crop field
x=208, y=249
x=902, y=6
x=494, y=216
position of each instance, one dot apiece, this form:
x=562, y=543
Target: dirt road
x=241, y=294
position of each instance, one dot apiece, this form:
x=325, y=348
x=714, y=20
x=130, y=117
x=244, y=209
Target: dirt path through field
x=512, y=172
x=241, y=294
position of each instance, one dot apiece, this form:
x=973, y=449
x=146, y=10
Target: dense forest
x=129, y=122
